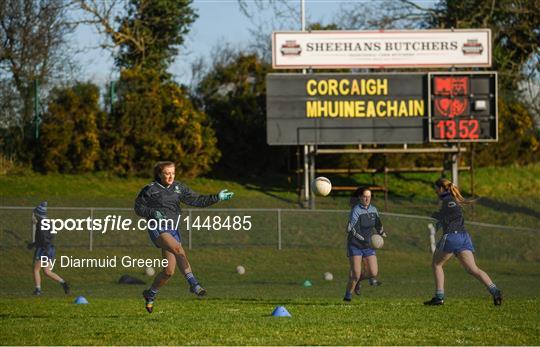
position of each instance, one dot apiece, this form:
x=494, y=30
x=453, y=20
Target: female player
x=43, y=242
x=455, y=240
x=160, y=201
x=363, y=218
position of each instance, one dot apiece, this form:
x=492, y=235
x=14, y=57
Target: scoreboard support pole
x=309, y=176
x=455, y=165
x=306, y=176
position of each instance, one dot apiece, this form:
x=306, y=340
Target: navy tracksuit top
x=450, y=216
x=156, y=197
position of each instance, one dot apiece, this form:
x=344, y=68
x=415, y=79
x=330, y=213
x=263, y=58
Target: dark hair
x=355, y=197
x=158, y=168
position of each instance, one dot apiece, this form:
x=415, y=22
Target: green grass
x=242, y=322
x=237, y=309
x=508, y=195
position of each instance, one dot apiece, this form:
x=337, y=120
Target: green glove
x=159, y=215
x=225, y=195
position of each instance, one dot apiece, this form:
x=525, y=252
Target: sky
x=219, y=22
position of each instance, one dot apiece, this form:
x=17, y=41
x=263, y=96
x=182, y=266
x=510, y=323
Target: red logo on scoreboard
x=451, y=95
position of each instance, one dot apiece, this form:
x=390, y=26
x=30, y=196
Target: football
x=149, y=271
x=377, y=241
x=321, y=186
x=240, y=270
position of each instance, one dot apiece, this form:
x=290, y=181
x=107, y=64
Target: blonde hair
x=450, y=187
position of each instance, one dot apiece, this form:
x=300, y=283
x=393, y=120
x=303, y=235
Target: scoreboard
x=381, y=108
x=463, y=107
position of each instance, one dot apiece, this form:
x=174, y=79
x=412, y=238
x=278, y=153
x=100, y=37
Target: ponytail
x=450, y=187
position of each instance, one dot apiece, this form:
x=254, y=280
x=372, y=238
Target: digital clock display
x=452, y=129
x=463, y=107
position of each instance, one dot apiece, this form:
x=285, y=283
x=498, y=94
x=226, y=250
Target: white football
x=377, y=241
x=240, y=270
x=149, y=271
x=321, y=186
x=328, y=276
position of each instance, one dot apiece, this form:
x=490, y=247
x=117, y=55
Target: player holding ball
x=363, y=218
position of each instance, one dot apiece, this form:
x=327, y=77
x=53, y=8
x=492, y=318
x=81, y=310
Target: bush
x=154, y=120
x=234, y=97
x=518, y=139
x=69, y=140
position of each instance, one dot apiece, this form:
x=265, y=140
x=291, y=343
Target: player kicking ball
x=160, y=201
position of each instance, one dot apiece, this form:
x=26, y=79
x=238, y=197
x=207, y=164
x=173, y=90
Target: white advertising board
x=381, y=49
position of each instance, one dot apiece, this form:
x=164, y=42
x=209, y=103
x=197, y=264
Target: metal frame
x=312, y=151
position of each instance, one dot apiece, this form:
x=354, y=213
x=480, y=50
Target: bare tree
x=385, y=14
x=33, y=36
x=103, y=14
x=285, y=15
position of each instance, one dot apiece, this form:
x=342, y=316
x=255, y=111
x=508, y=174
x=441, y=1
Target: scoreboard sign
x=463, y=107
x=346, y=108
x=380, y=108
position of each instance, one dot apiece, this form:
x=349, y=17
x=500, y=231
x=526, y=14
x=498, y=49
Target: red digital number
x=450, y=129
x=440, y=125
x=464, y=129
x=468, y=129
x=474, y=132
x=447, y=129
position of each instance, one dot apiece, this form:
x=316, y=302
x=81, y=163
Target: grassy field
x=237, y=309
x=507, y=195
x=242, y=322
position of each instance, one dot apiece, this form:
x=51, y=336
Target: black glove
x=30, y=245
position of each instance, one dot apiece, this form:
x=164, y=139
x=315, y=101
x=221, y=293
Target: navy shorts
x=154, y=234
x=49, y=252
x=353, y=250
x=455, y=243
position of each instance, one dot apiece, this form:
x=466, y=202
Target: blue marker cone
x=281, y=311
x=81, y=300
x=307, y=283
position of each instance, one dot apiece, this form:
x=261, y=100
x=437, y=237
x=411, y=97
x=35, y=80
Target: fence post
x=432, y=232
x=279, y=227
x=91, y=228
x=189, y=229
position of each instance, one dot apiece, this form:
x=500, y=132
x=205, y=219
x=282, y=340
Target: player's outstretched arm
x=192, y=198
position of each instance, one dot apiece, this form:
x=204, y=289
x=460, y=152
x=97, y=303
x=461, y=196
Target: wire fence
x=256, y=227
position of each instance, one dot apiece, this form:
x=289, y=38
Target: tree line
x=217, y=124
